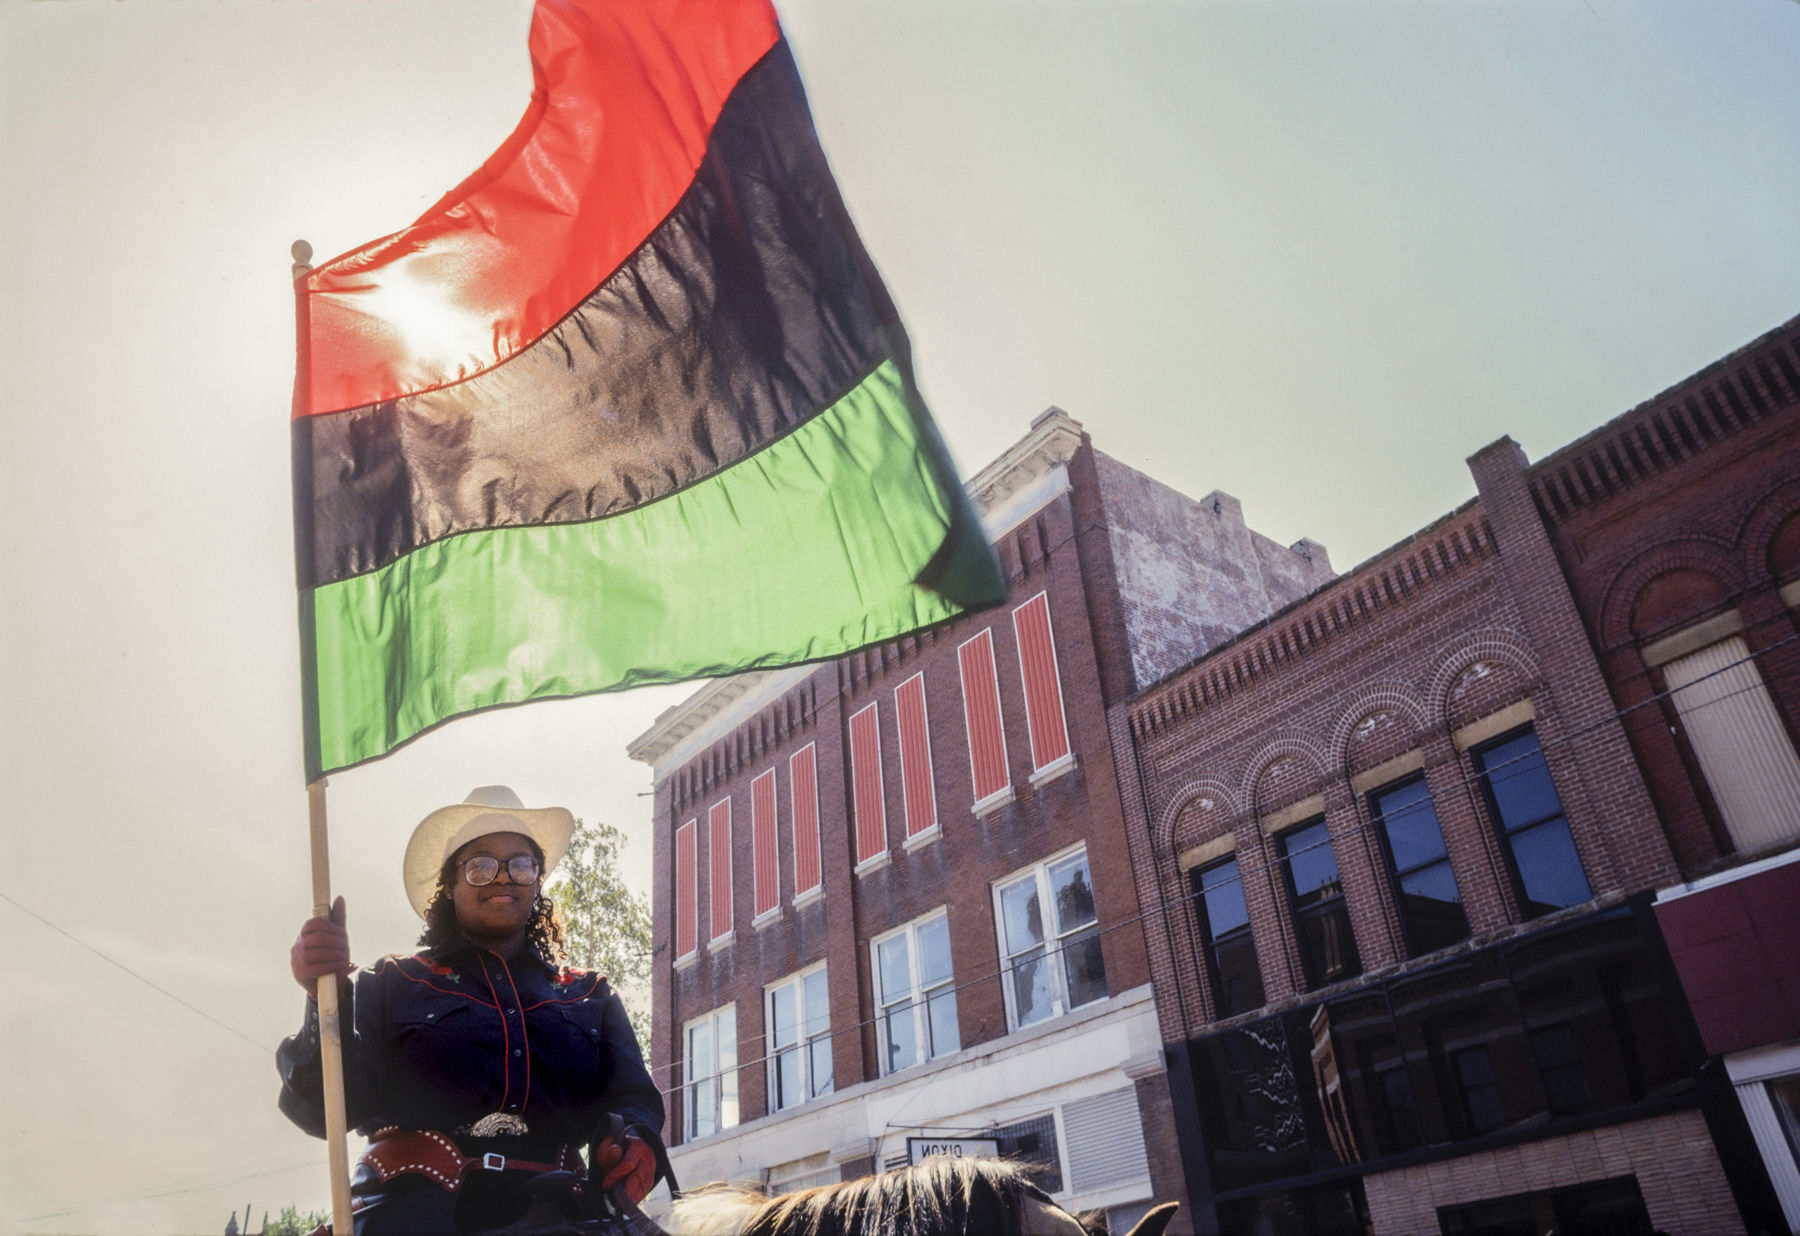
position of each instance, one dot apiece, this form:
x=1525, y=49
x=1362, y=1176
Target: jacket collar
x=459, y=950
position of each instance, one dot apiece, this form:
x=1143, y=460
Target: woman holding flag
x=482, y=1060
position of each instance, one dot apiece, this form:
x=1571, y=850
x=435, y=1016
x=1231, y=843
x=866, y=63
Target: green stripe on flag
x=805, y=550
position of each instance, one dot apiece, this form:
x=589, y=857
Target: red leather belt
x=395, y=1152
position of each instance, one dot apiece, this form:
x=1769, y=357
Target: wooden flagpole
x=331, y=1038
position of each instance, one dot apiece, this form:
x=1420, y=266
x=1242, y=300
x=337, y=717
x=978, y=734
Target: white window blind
x=1105, y=1135
x=1744, y=750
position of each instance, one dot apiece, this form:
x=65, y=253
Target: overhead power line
x=151, y=983
x=1253, y=865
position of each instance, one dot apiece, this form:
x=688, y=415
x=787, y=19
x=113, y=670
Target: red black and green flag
x=629, y=405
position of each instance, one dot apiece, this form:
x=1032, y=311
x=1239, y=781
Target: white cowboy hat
x=487, y=809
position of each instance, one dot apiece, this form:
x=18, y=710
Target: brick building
x=893, y=898
x=1412, y=971
x=1678, y=528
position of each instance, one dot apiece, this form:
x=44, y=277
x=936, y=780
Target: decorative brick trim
x=1759, y=525
x=1389, y=696
x=1739, y=392
x=1414, y=565
x=1493, y=644
x=1708, y=555
x=1219, y=792
x=1292, y=745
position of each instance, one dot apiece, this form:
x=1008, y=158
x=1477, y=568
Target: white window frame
x=917, y=996
x=1054, y=936
x=721, y=1026
x=810, y=1085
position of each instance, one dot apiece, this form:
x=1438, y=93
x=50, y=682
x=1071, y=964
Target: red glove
x=323, y=947
x=632, y=1164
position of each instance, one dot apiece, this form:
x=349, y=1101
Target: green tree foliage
x=607, y=925
x=292, y=1221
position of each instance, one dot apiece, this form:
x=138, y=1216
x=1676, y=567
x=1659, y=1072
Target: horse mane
x=942, y=1196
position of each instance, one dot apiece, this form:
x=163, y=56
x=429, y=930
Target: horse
x=943, y=1196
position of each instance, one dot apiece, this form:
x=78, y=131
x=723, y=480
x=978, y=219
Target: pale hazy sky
x=1311, y=254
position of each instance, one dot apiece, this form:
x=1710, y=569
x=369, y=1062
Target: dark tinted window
x=1431, y=910
x=1546, y=1032
x=1321, y=919
x=1529, y=815
x=1225, y=932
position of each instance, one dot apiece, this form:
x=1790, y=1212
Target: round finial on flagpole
x=302, y=252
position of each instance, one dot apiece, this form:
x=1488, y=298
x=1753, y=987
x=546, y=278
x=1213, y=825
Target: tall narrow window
x=687, y=880
x=1744, y=748
x=1321, y=920
x=711, y=1092
x=915, y=756
x=1225, y=937
x=762, y=836
x=718, y=842
x=916, y=1017
x=1431, y=912
x=981, y=716
x=1049, y=940
x=1472, y=1070
x=803, y=795
x=799, y=1028
x=1515, y=781
x=1043, y=686
x=867, y=799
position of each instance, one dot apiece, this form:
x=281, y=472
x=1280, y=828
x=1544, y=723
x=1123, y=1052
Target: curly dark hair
x=544, y=931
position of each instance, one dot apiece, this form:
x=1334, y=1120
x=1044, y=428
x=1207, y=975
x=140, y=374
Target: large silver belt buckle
x=498, y=1124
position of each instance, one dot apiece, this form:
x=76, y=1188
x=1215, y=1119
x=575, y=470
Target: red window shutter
x=1043, y=689
x=803, y=796
x=865, y=784
x=981, y=715
x=687, y=873
x=915, y=756
x=718, y=840
x=762, y=832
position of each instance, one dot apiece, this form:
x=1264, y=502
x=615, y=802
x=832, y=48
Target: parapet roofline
x=1022, y=480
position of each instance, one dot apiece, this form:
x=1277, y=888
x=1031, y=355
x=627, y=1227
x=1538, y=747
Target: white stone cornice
x=717, y=707
x=1045, y=451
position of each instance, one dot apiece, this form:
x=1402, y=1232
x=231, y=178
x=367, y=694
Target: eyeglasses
x=520, y=869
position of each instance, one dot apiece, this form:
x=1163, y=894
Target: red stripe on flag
x=915, y=756
x=762, y=832
x=718, y=841
x=803, y=794
x=1043, y=689
x=624, y=103
x=687, y=874
x=865, y=784
x=981, y=715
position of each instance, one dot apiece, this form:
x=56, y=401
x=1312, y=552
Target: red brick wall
x=1389, y=660
x=956, y=870
x=1704, y=481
